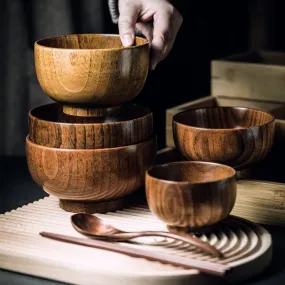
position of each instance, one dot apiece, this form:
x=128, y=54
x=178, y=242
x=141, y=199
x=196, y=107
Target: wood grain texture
x=96, y=206
x=49, y=126
x=88, y=69
x=234, y=136
x=90, y=111
x=221, y=101
x=90, y=175
x=191, y=194
x=251, y=75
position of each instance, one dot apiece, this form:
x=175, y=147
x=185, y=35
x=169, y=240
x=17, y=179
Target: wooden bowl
x=50, y=127
x=191, y=194
x=234, y=136
x=82, y=70
x=90, y=180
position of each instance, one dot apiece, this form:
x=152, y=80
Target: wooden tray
x=247, y=247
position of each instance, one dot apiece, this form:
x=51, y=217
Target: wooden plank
x=256, y=75
x=261, y=202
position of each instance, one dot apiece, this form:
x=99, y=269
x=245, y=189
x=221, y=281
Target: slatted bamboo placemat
x=246, y=246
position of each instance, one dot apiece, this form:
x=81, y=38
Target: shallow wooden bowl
x=86, y=69
x=234, y=136
x=191, y=194
x=93, y=180
x=50, y=127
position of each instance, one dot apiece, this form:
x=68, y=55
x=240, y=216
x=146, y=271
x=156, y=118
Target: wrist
x=114, y=10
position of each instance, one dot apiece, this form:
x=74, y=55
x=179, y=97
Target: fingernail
x=127, y=40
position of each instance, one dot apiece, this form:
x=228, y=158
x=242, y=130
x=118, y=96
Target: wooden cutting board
x=246, y=246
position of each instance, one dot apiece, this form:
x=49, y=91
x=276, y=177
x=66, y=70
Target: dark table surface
x=18, y=189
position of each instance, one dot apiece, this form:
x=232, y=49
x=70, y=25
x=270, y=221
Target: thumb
x=127, y=21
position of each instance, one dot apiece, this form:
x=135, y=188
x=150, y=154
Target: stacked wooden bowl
x=92, y=147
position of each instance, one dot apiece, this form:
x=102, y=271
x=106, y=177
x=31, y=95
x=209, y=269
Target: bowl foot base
x=244, y=173
x=196, y=231
x=93, y=111
x=94, y=207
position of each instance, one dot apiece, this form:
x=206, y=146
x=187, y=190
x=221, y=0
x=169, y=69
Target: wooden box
x=256, y=75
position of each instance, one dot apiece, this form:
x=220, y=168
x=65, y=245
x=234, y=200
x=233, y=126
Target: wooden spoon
x=91, y=225
x=187, y=263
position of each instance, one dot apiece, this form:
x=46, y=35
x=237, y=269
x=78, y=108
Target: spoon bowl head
x=91, y=225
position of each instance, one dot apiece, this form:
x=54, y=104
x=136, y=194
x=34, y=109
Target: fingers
x=165, y=28
x=127, y=21
x=146, y=29
x=161, y=33
x=176, y=24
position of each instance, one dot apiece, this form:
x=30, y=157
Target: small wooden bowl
x=50, y=127
x=96, y=180
x=234, y=136
x=91, y=69
x=191, y=194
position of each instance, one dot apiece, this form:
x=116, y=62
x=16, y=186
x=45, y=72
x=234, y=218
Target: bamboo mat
x=246, y=246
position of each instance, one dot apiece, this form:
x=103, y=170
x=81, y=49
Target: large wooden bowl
x=90, y=69
x=191, y=194
x=97, y=180
x=50, y=127
x=234, y=136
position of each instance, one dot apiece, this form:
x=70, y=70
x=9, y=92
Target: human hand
x=157, y=20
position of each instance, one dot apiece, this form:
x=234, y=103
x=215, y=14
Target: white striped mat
x=246, y=246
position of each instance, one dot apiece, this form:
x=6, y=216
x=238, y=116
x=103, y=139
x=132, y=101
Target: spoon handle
x=187, y=238
x=187, y=263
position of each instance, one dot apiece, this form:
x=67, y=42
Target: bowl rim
x=174, y=119
x=234, y=172
x=93, y=150
x=38, y=43
x=149, y=114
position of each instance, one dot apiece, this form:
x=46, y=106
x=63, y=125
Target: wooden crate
x=257, y=75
